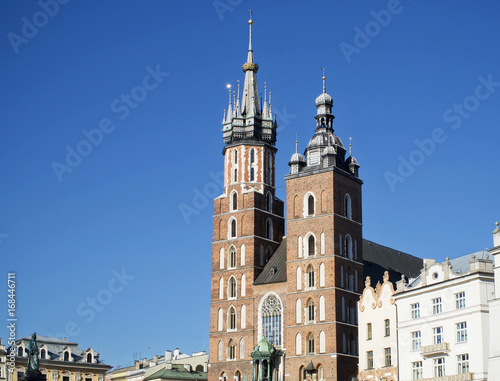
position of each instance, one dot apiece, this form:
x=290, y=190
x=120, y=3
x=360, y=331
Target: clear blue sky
x=413, y=77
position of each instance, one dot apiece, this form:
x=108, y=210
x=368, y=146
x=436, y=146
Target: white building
x=494, y=359
x=378, y=356
x=443, y=320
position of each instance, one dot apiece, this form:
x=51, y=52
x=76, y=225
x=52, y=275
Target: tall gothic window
x=232, y=288
x=347, y=206
x=252, y=174
x=252, y=155
x=310, y=277
x=232, y=350
x=232, y=318
x=311, y=244
x=272, y=313
x=235, y=201
x=310, y=343
x=269, y=229
x=269, y=202
x=233, y=228
x=232, y=257
x=310, y=205
x=310, y=311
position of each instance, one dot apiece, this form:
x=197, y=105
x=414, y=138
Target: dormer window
x=89, y=357
x=66, y=356
x=20, y=351
x=43, y=354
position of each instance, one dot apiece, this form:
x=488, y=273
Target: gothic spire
x=250, y=105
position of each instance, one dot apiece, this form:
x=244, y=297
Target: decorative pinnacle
x=350, y=146
x=296, y=143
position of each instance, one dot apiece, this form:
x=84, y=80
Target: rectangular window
x=369, y=360
x=387, y=356
x=437, y=306
x=65, y=378
x=369, y=331
x=437, y=334
x=415, y=310
x=416, y=370
x=462, y=332
x=460, y=300
x=416, y=342
x=387, y=327
x=439, y=370
x=463, y=363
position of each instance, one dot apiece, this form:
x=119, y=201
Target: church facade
x=284, y=308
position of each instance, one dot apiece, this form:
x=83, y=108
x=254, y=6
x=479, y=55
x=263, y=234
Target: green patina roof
x=178, y=372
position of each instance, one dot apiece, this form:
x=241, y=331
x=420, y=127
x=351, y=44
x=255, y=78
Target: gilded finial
x=250, y=21
x=296, y=143
x=350, y=146
x=324, y=78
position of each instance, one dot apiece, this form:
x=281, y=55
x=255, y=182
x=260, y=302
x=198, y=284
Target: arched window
x=220, y=320
x=348, y=246
x=310, y=205
x=320, y=367
x=310, y=344
x=66, y=356
x=231, y=319
x=299, y=278
x=20, y=351
x=252, y=174
x=298, y=344
x=322, y=345
x=235, y=156
x=221, y=257
x=321, y=308
x=310, y=277
x=252, y=155
x=232, y=228
x=43, y=353
x=347, y=206
x=269, y=202
x=242, y=356
x=231, y=288
x=234, y=201
x=299, y=247
x=298, y=311
x=235, y=178
x=269, y=229
x=343, y=309
x=271, y=312
x=310, y=311
x=243, y=316
x=89, y=357
x=322, y=244
x=322, y=275
x=232, y=350
x=311, y=243
x=342, y=276
x=232, y=257
x=221, y=288
x=220, y=350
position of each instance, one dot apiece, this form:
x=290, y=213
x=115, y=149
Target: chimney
x=168, y=365
x=168, y=355
x=176, y=353
x=155, y=359
x=137, y=365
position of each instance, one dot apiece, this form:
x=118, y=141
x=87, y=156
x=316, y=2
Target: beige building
x=3, y=361
x=378, y=350
x=60, y=360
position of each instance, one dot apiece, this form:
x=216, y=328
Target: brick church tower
x=324, y=258
x=248, y=225
x=284, y=308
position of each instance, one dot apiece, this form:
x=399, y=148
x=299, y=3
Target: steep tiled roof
x=378, y=258
x=275, y=269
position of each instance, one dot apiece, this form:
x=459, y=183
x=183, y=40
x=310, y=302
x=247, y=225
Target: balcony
x=457, y=377
x=435, y=349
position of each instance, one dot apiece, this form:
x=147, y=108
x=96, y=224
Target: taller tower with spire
x=248, y=225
